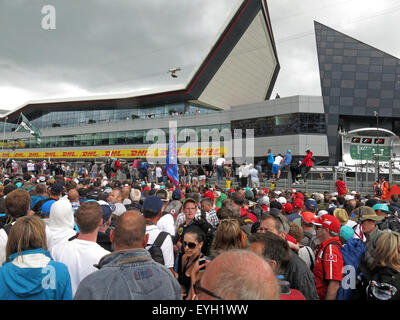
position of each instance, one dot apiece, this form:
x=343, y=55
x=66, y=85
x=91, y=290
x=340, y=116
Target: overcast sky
x=121, y=46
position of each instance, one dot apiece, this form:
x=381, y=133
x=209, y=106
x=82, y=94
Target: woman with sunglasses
x=193, y=241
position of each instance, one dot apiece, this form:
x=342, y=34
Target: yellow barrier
x=124, y=153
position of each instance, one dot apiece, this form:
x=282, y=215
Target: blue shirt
x=288, y=158
x=270, y=158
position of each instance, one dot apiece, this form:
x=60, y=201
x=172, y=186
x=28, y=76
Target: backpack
x=353, y=252
x=384, y=285
x=155, y=250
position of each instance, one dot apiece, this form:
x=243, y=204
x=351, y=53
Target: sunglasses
x=198, y=289
x=190, y=245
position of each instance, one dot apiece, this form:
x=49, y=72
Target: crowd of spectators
x=95, y=236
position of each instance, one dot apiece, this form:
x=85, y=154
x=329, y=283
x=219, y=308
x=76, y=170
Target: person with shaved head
x=227, y=277
x=129, y=272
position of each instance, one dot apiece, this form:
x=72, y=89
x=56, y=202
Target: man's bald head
x=228, y=276
x=130, y=230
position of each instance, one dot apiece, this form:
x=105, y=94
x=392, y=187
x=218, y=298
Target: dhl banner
x=124, y=153
x=12, y=144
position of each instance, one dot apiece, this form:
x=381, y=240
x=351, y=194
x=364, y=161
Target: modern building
x=360, y=88
x=240, y=68
x=226, y=100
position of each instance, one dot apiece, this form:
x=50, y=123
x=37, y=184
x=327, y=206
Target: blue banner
x=172, y=160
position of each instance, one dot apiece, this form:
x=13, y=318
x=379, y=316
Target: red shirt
x=252, y=217
x=341, y=187
x=332, y=264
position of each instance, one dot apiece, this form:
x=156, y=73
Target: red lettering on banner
x=133, y=153
x=68, y=154
x=163, y=153
x=116, y=153
x=33, y=154
x=141, y=153
x=88, y=153
x=49, y=154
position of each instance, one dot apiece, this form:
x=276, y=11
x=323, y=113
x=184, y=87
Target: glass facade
x=287, y=124
x=84, y=117
x=116, y=138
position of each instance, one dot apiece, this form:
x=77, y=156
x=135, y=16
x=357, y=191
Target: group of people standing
x=101, y=238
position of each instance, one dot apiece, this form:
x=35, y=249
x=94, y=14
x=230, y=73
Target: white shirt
x=4, y=238
x=220, y=161
x=158, y=172
x=167, y=247
x=254, y=174
x=79, y=256
x=166, y=223
x=278, y=160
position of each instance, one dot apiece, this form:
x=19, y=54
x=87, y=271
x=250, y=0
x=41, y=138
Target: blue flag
x=172, y=160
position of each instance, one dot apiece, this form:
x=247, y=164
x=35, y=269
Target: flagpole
x=4, y=137
x=13, y=133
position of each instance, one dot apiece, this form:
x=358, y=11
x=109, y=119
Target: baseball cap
x=287, y=207
x=308, y=217
x=221, y=198
x=321, y=213
x=106, y=210
x=330, y=222
x=176, y=195
x=56, y=188
x=311, y=204
x=42, y=179
x=249, y=195
x=264, y=200
x=346, y=232
x=353, y=192
x=298, y=203
x=275, y=204
x=282, y=200
x=349, y=197
x=118, y=208
x=153, y=203
x=209, y=194
x=46, y=207
x=27, y=176
x=299, y=195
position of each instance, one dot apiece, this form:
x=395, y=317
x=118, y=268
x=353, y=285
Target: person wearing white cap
x=282, y=200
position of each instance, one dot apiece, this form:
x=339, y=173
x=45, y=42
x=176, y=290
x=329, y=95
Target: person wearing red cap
x=287, y=208
x=298, y=205
x=328, y=270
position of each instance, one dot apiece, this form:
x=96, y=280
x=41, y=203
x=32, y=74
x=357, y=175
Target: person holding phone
x=193, y=241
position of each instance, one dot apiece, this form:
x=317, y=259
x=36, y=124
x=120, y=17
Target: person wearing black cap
x=152, y=211
x=28, y=186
